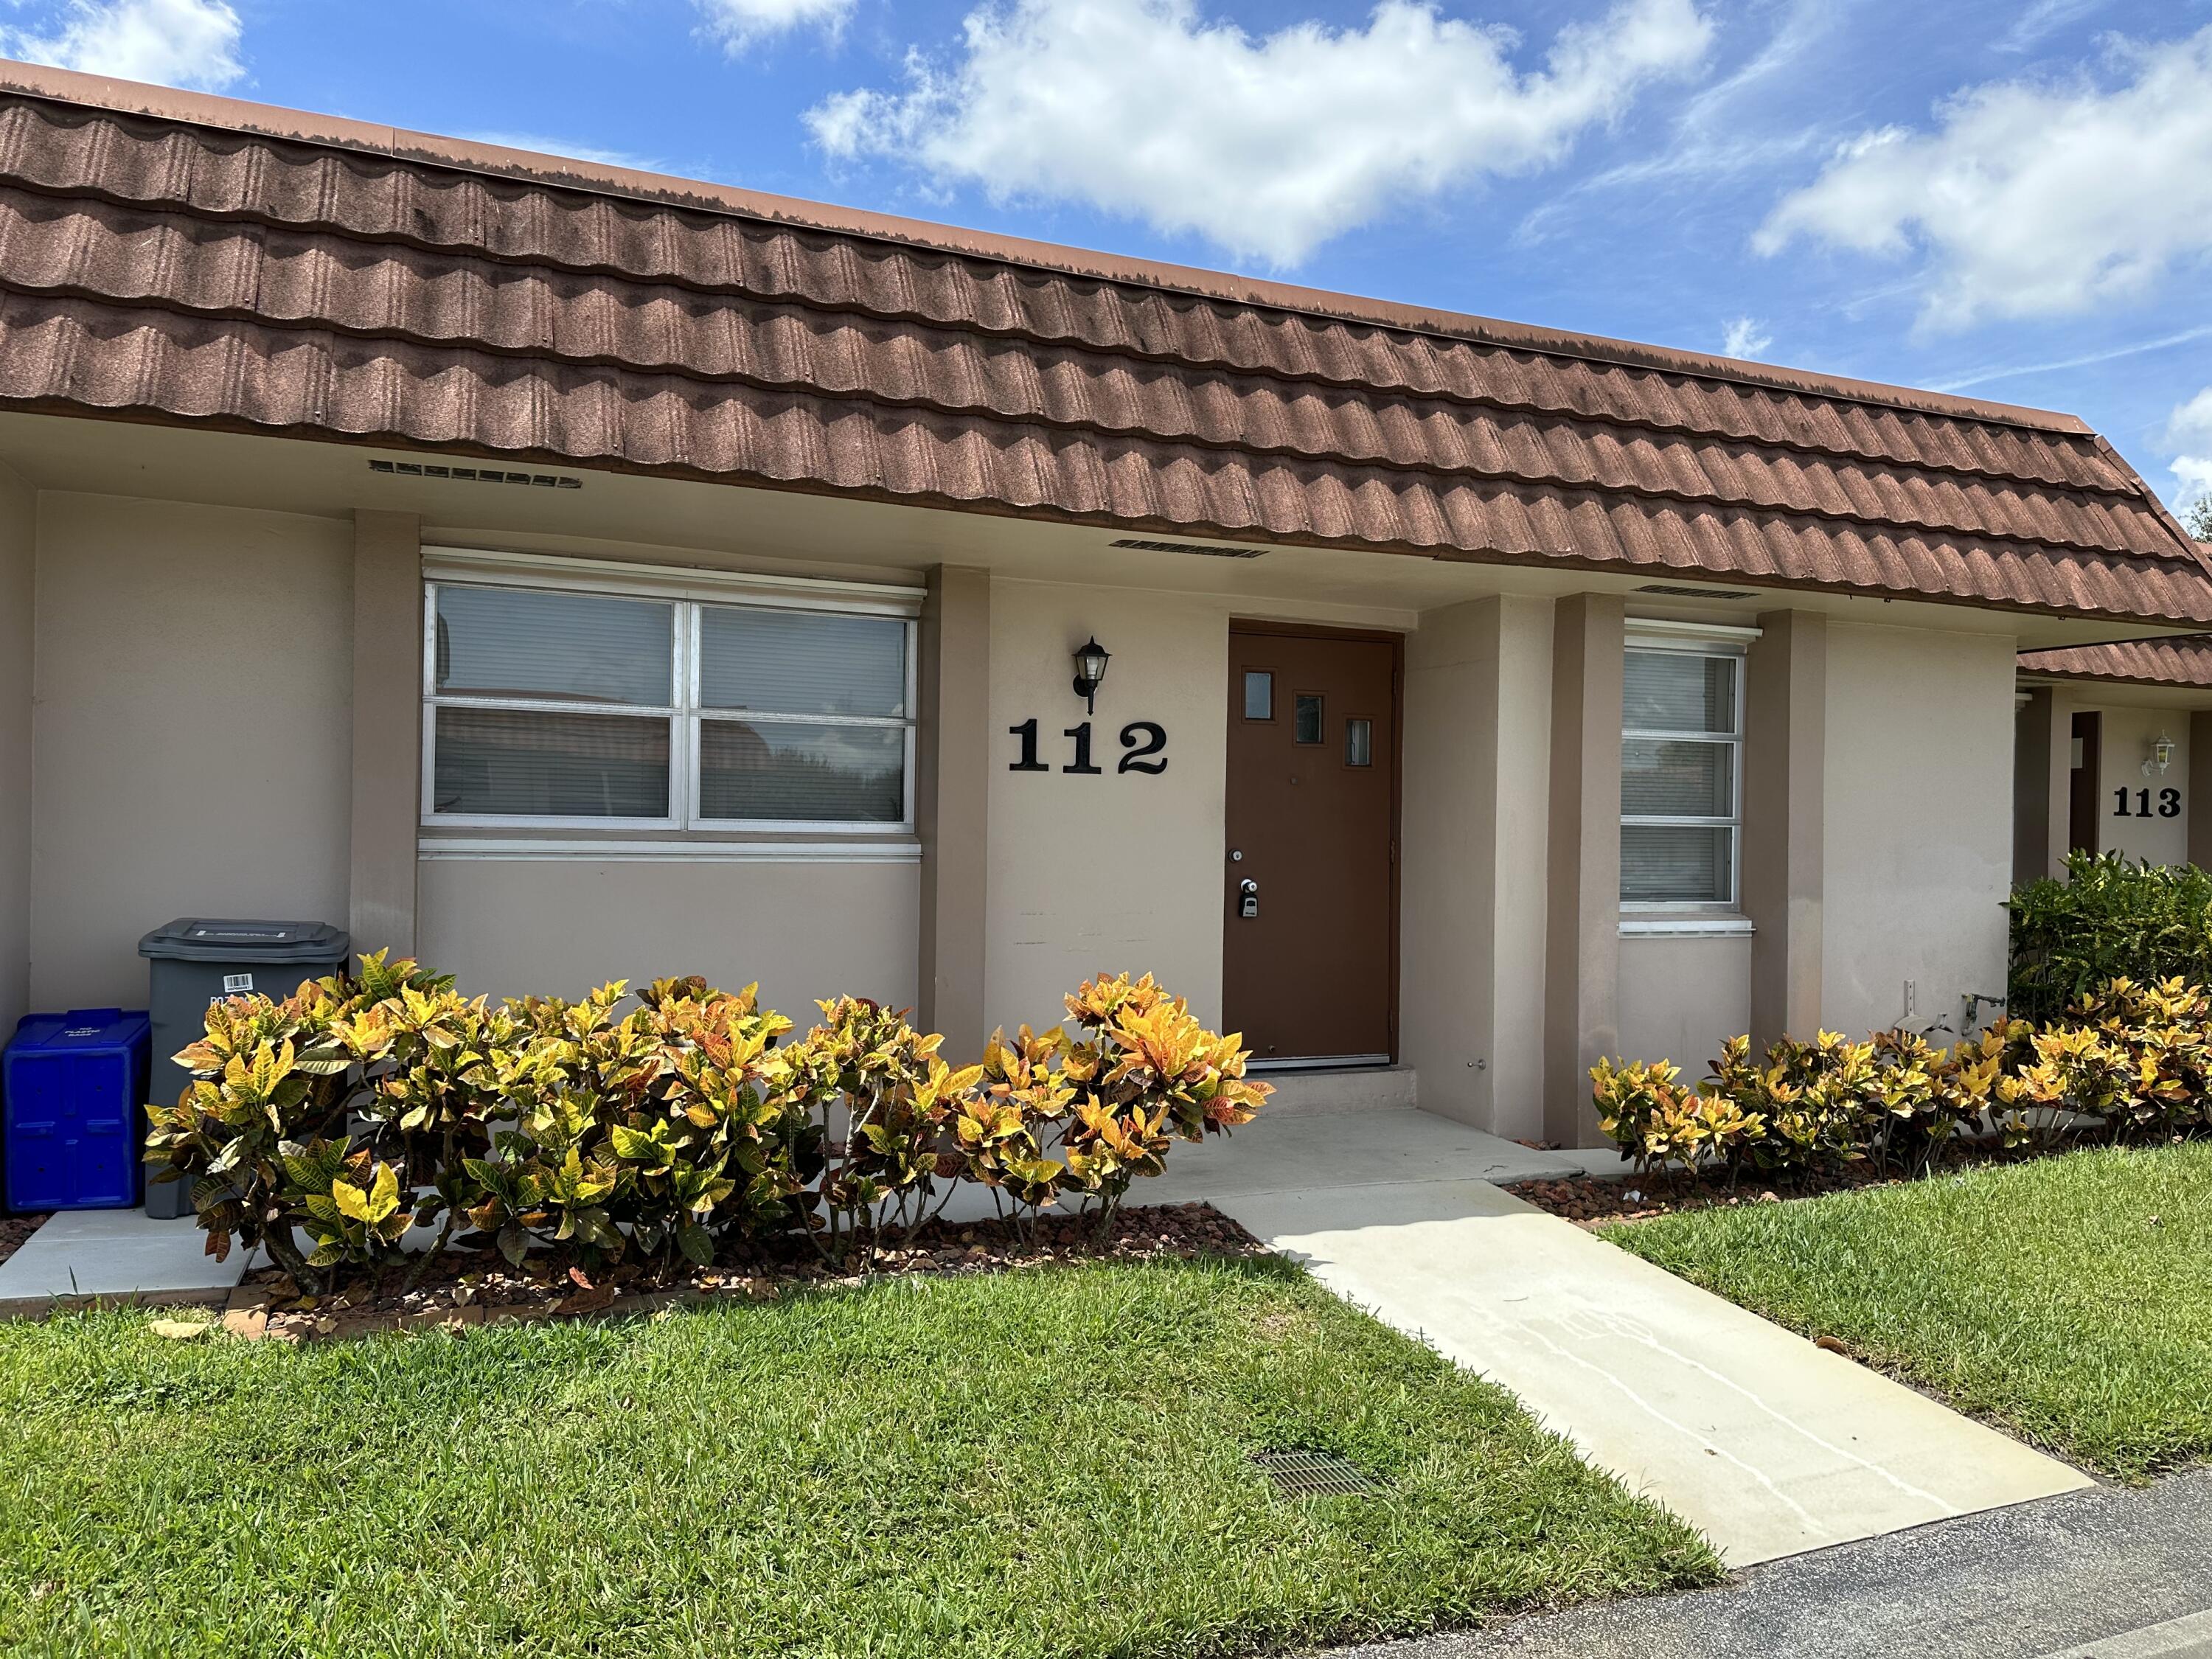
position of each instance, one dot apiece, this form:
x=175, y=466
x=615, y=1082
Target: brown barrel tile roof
x=165, y=256
x=2185, y=661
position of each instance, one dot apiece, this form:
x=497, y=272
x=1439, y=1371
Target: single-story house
x=2103, y=753
x=559, y=573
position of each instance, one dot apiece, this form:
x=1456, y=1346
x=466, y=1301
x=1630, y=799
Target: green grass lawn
x=1049, y=1462
x=2069, y=1298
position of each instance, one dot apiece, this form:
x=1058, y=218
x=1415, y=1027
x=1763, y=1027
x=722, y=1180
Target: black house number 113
x=1146, y=742
x=2169, y=803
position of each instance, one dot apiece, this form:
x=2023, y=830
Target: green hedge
x=2108, y=920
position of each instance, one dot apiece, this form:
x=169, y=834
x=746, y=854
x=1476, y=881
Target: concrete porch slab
x=81, y=1255
x=1768, y=1444
x=1361, y=1088
x=1357, y=1148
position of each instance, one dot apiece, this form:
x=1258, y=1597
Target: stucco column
x=2200, y=788
x=2042, y=782
x=1785, y=717
x=951, y=795
x=1582, y=968
x=1472, y=904
x=387, y=729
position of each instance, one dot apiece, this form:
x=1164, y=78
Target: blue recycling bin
x=72, y=1094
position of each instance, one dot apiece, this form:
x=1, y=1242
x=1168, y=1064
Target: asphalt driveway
x=2108, y=1573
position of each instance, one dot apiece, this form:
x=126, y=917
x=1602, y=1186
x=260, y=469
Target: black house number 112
x=1144, y=740
x=2169, y=804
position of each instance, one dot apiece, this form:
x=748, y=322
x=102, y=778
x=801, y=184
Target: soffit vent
x=1314, y=1474
x=1191, y=547
x=476, y=474
x=1674, y=592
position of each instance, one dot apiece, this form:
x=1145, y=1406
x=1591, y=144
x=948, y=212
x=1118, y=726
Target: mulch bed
x=15, y=1229
x=1593, y=1203
x=476, y=1287
x=1590, y=1202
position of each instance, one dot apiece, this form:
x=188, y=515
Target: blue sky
x=2011, y=200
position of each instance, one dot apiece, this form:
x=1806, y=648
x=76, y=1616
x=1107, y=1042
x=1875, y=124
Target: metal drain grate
x=1314, y=1474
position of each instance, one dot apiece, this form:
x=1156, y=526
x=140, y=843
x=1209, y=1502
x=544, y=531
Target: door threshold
x=1321, y=1063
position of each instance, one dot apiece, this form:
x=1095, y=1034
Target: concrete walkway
x=79, y=1256
x=1768, y=1444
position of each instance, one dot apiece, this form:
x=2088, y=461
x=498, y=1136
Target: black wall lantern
x=1090, y=660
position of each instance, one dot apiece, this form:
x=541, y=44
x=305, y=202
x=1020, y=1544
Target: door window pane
x=799, y=662
x=1677, y=864
x=1259, y=695
x=509, y=762
x=1678, y=691
x=1306, y=718
x=581, y=648
x=778, y=770
x=1359, y=743
x=1672, y=778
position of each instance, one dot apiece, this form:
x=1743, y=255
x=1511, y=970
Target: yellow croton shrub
x=378, y=1115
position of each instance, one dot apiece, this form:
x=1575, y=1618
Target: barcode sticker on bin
x=238, y=985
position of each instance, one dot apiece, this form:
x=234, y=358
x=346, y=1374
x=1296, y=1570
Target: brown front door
x=1310, y=952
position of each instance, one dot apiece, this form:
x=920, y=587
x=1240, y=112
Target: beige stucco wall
x=1120, y=872
x=18, y=565
x=805, y=931
x=2128, y=735
x=1477, y=747
x=193, y=742
x=1918, y=822
x=1681, y=997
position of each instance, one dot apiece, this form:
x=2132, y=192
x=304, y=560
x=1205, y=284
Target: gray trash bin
x=196, y=961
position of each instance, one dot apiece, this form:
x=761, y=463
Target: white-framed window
x=558, y=694
x=1682, y=773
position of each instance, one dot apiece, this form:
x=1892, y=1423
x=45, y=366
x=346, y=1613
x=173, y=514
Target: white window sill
x=793, y=849
x=1685, y=926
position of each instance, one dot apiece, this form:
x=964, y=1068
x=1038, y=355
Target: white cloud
x=2189, y=433
x=2043, y=19
x=1745, y=336
x=572, y=149
x=2031, y=198
x=175, y=43
x=738, y=23
x=1266, y=146
x=1748, y=119
x=2106, y=354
